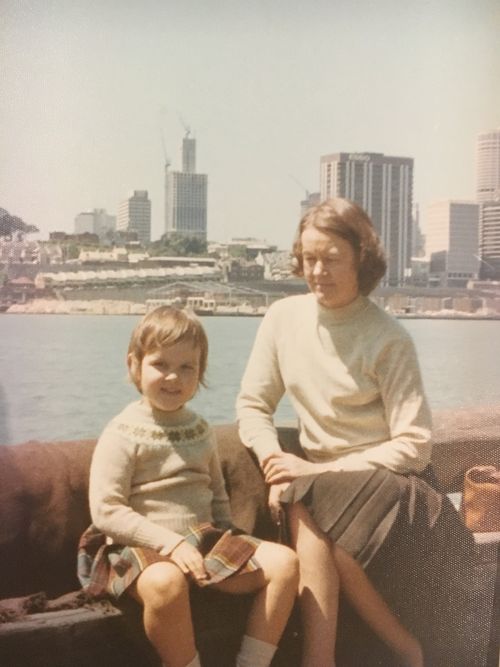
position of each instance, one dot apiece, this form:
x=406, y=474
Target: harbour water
x=64, y=376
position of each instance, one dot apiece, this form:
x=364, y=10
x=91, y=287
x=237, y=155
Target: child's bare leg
x=163, y=591
x=318, y=588
x=275, y=587
x=374, y=611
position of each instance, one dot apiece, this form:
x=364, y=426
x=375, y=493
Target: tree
x=178, y=245
x=10, y=224
x=72, y=251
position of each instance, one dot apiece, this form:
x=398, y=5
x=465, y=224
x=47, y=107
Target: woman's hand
x=275, y=491
x=189, y=560
x=283, y=467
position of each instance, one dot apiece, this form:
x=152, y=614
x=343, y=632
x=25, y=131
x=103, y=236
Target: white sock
x=195, y=662
x=255, y=653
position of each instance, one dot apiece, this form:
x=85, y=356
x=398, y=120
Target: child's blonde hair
x=162, y=327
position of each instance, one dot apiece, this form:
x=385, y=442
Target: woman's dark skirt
x=412, y=544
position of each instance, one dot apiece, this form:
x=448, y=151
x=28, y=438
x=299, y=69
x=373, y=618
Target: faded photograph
x=249, y=325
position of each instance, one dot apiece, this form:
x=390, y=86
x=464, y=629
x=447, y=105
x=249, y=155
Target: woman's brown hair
x=342, y=217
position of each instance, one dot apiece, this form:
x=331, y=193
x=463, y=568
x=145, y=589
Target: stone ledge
x=72, y=638
x=102, y=635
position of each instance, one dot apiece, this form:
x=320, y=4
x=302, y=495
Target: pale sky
x=87, y=88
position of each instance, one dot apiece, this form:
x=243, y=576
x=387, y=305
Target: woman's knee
x=161, y=585
x=278, y=562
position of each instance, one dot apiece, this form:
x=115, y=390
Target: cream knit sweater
x=353, y=379
x=153, y=475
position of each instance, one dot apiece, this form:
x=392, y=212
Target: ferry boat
x=201, y=305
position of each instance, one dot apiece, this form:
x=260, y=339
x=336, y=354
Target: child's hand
x=189, y=560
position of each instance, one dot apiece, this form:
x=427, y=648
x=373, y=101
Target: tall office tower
x=489, y=240
x=488, y=195
x=488, y=166
x=452, y=242
x=417, y=238
x=97, y=222
x=134, y=215
x=383, y=187
x=188, y=154
x=186, y=195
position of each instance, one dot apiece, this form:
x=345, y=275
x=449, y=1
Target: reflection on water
x=65, y=376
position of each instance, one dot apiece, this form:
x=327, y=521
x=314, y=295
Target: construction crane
x=187, y=128
x=165, y=156
x=300, y=185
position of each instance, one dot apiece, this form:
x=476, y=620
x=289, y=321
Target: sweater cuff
x=263, y=448
x=168, y=548
x=160, y=539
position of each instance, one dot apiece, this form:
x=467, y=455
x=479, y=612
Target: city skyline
x=266, y=88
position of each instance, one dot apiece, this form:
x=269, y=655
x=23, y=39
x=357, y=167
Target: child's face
x=169, y=376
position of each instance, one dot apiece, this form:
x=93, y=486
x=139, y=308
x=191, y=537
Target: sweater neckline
x=344, y=313
x=176, y=418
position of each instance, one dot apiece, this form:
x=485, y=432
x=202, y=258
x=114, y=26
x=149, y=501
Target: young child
x=160, y=511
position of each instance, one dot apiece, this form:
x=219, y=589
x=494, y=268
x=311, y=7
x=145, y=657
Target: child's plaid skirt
x=112, y=568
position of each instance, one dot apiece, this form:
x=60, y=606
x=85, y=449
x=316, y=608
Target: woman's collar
x=334, y=315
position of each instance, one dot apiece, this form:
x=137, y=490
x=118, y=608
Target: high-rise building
x=134, y=215
x=488, y=195
x=488, y=166
x=452, y=242
x=186, y=195
x=188, y=154
x=97, y=222
x=489, y=241
x=383, y=187
x=417, y=237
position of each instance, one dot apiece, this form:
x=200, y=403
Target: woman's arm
x=407, y=413
x=261, y=390
x=408, y=449
x=111, y=474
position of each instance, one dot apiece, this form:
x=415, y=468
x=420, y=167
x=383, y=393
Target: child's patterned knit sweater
x=154, y=474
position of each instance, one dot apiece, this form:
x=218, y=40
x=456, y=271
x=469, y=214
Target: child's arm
x=221, y=510
x=111, y=474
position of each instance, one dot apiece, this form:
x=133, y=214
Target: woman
x=352, y=376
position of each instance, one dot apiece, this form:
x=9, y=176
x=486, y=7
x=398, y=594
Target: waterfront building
x=488, y=195
x=277, y=265
x=20, y=251
x=489, y=240
x=242, y=270
x=419, y=271
x=417, y=237
x=186, y=195
x=249, y=247
x=452, y=242
x=134, y=216
x=97, y=222
x=488, y=166
x=383, y=186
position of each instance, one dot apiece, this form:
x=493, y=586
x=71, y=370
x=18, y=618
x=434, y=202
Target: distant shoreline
x=70, y=307
x=122, y=307
x=441, y=316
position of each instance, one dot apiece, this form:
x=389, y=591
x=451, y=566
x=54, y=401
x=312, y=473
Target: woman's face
x=330, y=268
